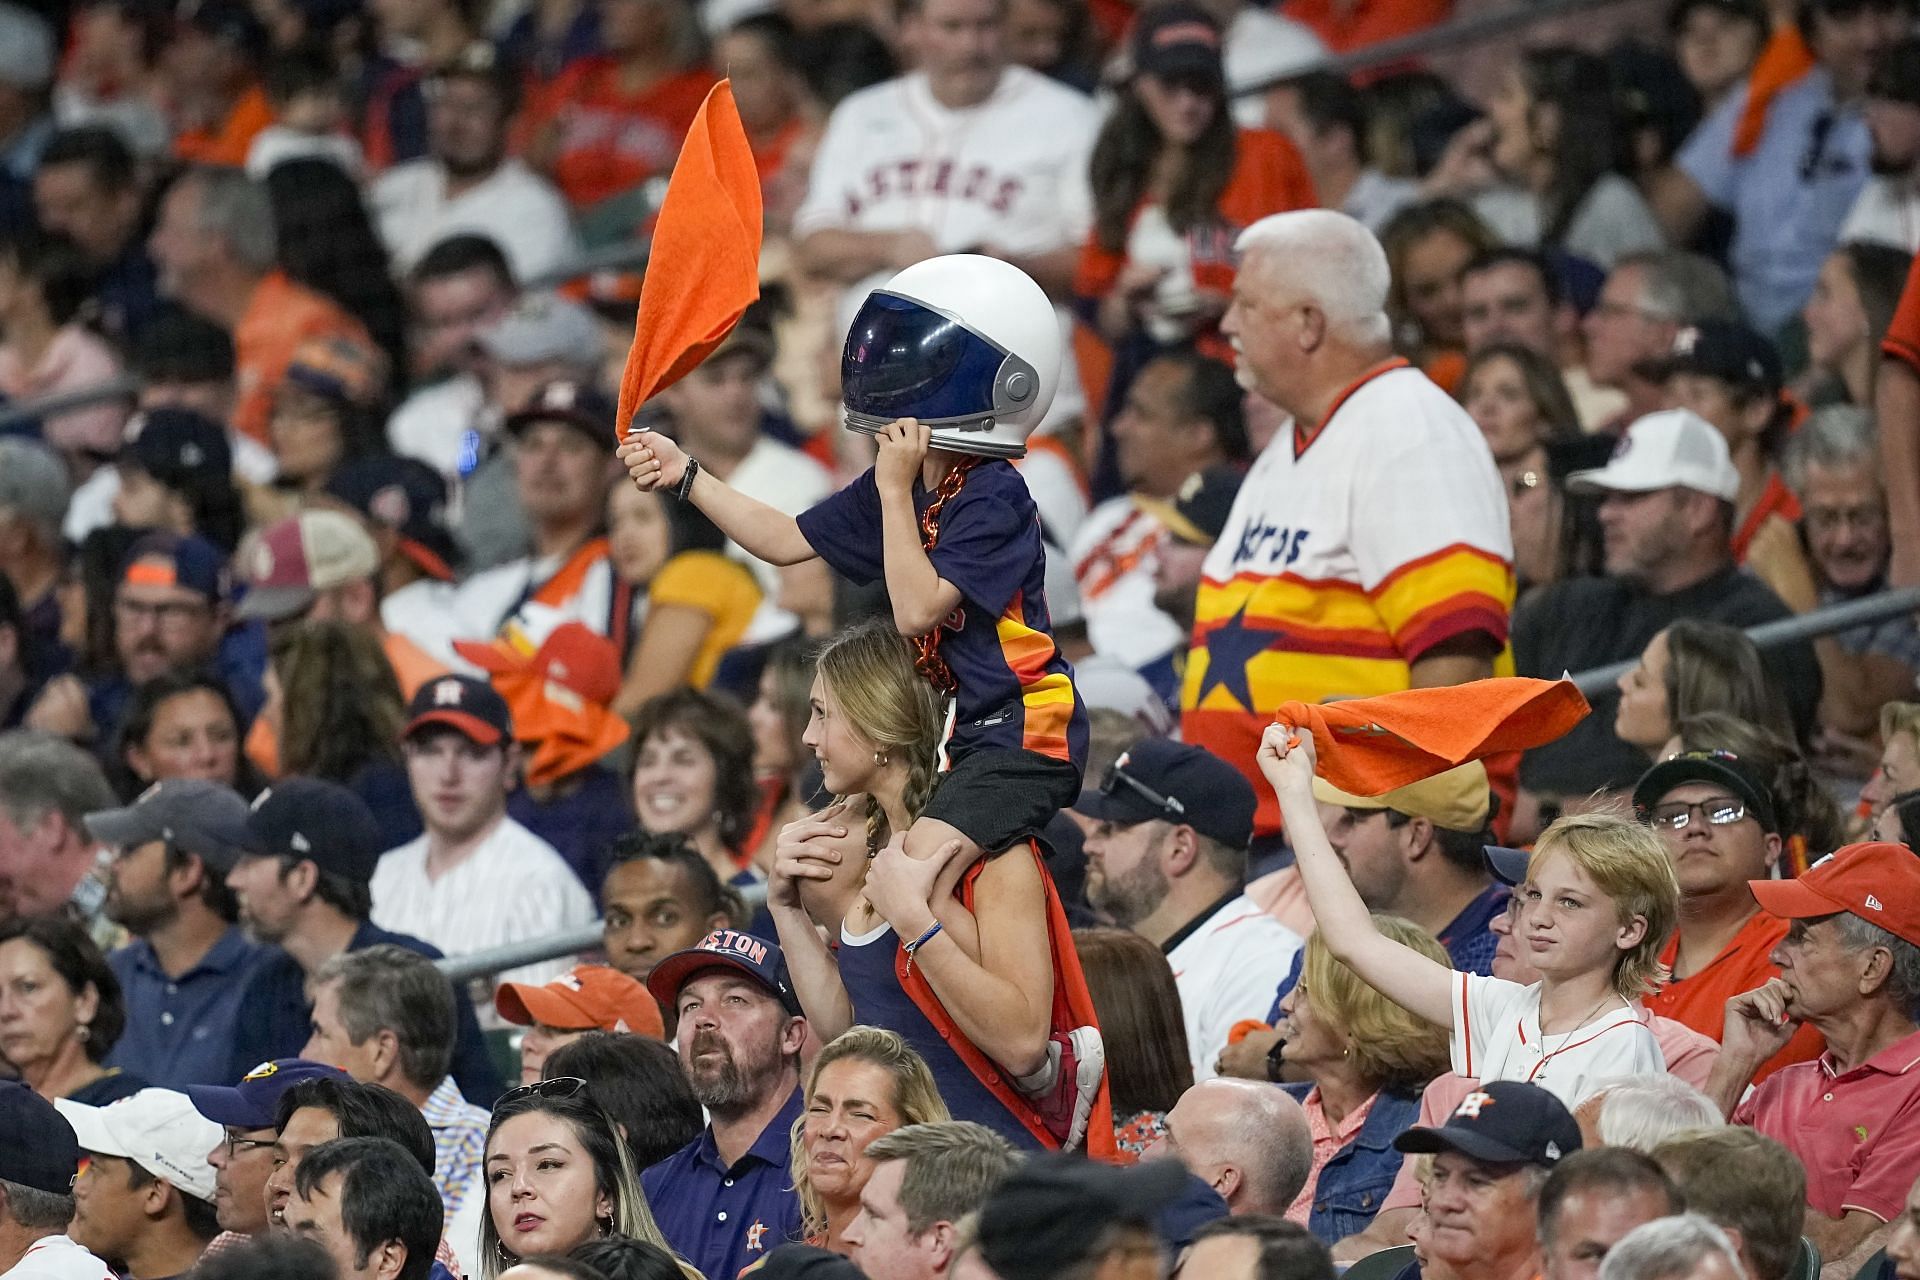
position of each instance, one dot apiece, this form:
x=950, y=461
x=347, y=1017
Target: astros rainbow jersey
x=1348, y=554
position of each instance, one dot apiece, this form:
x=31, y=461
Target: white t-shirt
x=1114, y=562
x=432, y=424
x=1496, y=1036
x=57, y=1258
x=514, y=207
x=512, y=888
x=1010, y=172
x=1228, y=969
x=1886, y=212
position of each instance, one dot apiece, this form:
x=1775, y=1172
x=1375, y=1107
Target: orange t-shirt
x=280, y=316
x=612, y=140
x=1700, y=1001
x=1355, y=24
x=228, y=144
x=1775, y=500
x=1902, y=340
x=1268, y=177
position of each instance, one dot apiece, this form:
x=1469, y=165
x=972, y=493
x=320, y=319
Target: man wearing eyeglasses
x=169, y=614
x=1715, y=813
x=243, y=1158
x=1167, y=859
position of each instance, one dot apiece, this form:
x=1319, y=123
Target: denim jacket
x=1356, y=1180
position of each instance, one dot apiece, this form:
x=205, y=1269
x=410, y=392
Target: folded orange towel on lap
x=704, y=267
x=1369, y=746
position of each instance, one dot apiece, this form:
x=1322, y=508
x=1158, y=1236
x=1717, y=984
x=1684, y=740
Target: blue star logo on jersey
x=1230, y=647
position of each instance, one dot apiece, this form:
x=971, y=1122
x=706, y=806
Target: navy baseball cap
x=1051, y=1210
x=313, y=820
x=192, y=814
x=725, y=949
x=37, y=1146
x=1722, y=768
x=1178, y=41
x=178, y=447
x=578, y=404
x=463, y=703
x=1508, y=866
x=1197, y=515
x=1728, y=351
x=407, y=497
x=173, y=560
x=1175, y=782
x=254, y=1102
x=1502, y=1122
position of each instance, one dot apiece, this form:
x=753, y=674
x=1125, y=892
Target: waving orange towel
x=1784, y=61
x=704, y=268
x=1369, y=746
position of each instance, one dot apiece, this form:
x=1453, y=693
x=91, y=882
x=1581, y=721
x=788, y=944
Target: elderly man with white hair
x=1368, y=550
x=1684, y=1247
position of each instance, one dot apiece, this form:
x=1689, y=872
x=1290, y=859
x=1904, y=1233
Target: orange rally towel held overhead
x=1369, y=746
x=704, y=267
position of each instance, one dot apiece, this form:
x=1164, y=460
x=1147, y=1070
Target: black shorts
x=998, y=796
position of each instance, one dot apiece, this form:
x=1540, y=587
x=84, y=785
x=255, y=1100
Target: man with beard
x=725, y=1199
x=1167, y=859
x=303, y=890
x=183, y=974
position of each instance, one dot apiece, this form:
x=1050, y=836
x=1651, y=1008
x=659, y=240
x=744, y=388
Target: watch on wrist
x=686, y=479
x=1273, y=1060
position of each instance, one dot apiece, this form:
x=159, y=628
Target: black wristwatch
x=1273, y=1060
x=686, y=479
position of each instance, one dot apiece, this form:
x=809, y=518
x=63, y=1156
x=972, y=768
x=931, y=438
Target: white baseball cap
x=157, y=1129
x=1674, y=448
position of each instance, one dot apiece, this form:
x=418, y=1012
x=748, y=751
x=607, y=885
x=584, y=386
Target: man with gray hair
x=1249, y=1141
x=1832, y=464
x=926, y=1178
x=47, y=788
x=214, y=245
x=1647, y=299
x=385, y=1016
x=1684, y=1247
x=1380, y=480
x=1641, y=1112
x=1850, y=968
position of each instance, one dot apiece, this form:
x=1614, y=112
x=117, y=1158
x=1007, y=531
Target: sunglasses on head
x=1118, y=777
x=558, y=1087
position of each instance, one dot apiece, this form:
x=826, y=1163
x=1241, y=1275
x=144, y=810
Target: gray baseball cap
x=543, y=327
x=193, y=815
x=33, y=480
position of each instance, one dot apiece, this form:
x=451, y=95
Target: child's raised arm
x=1401, y=974
x=921, y=598
x=657, y=463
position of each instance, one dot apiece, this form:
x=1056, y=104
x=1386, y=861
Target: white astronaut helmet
x=967, y=344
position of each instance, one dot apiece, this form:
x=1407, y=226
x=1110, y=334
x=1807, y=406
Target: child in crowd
x=1597, y=906
x=955, y=536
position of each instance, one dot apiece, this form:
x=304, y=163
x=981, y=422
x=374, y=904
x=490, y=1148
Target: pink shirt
x=1328, y=1141
x=1689, y=1055
x=75, y=359
x=1857, y=1133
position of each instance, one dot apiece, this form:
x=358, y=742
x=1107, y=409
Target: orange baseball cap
x=591, y=997
x=1878, y=882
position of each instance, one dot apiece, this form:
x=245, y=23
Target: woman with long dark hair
x=1174, y=182
x=326, y=241
x=1544, y=165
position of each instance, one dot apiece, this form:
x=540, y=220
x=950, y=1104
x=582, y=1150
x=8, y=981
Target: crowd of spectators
x=338, y=644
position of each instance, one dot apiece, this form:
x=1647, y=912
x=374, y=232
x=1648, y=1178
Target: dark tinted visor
x=903, y=360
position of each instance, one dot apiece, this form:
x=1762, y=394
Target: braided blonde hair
x=869, y=669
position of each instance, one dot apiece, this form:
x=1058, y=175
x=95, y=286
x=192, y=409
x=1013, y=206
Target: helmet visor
x=906, y=360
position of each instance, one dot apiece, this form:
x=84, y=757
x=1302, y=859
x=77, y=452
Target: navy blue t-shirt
x=723, y=1218
x=1013, y=689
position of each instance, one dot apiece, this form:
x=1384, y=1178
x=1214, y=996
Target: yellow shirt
x=720, y=587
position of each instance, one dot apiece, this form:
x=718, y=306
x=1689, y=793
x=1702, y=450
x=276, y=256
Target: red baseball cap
x=573, y=656
x=590, y=997
x=1878, y=882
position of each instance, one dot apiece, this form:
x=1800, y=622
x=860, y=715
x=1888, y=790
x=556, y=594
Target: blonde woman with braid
x=875, y=726
x=864, y=1085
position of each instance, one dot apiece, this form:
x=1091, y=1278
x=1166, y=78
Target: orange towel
x=1781, y=64
x=1369, y=746
x=704, y=268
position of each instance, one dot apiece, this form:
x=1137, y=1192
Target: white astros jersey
x=1010, y=173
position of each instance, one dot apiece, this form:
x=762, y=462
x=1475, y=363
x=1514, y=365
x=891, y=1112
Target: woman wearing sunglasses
x=558, y=1175
x=978, y=1004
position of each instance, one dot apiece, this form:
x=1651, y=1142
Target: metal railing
x=1806, y=626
